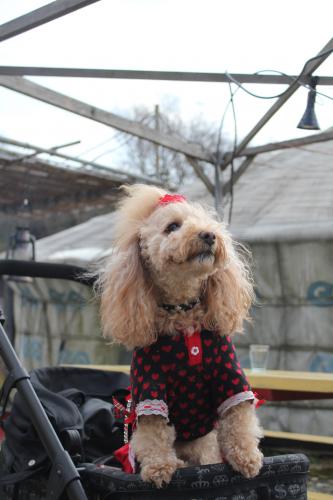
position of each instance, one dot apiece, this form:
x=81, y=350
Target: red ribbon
x=171, y=198
x=122, y=456
x=259, y=402
x=130, y=418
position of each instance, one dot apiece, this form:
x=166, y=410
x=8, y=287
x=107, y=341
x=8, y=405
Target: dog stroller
x=63, y=428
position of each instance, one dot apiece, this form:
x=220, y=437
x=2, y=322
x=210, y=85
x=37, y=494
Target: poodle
x=174, y=290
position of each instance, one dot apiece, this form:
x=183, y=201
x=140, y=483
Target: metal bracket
x=15, y=375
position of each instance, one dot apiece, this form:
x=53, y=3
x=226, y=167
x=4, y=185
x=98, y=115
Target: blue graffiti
x=28, y=297
x=67, y=297
x=320, y=293
x=321, y=362
x=32, y=349
x=74, y=357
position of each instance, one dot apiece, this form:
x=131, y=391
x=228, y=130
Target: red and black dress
x=189, y=380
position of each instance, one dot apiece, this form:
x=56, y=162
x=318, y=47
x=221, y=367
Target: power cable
x=127, y=140
x=231, y=78
x=114, y=137
x=232, y=171
x=231, y=101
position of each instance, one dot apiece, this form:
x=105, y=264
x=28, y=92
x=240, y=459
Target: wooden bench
x=306, y=441
x=314, y=495
x=281, y=385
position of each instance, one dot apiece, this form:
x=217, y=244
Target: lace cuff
x=152, y=407
x=235, y=400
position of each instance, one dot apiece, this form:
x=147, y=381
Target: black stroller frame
x=64, y=475
x=281, y=476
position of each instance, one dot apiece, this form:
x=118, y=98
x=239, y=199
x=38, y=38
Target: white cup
x=259, y=354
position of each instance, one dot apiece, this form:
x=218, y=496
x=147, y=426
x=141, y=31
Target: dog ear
x=127, y=303
x=229, y=295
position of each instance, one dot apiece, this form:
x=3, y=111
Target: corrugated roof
x=80, y=244
x=286, y=194
x=48, y=185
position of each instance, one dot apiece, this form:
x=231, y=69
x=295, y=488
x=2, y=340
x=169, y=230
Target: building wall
x=294, y=315
x=57, y=322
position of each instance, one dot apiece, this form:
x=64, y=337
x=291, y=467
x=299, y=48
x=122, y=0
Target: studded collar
x=180, y=307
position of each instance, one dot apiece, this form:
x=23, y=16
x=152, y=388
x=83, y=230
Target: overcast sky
x=239, y=36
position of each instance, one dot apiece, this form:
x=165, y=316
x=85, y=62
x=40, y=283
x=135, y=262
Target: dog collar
x=180, y=307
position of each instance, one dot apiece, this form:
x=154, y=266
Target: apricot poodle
x=174, y=289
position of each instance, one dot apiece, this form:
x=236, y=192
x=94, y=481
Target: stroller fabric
x=75, y=399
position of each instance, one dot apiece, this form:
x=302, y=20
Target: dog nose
x=207, y=237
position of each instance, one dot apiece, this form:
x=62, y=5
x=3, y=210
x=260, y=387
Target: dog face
x=174, y=250
x=182, y=239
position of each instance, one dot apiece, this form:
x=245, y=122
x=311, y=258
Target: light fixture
x=21, y=245
x=309, y=120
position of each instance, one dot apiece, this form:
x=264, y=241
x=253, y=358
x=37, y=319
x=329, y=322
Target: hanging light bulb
x=309, y=120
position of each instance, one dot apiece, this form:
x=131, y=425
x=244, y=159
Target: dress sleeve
x=232, y=385
x=148, y=385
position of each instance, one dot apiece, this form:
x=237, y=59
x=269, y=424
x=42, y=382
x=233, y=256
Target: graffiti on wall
x=320, y=293
x=321, y=362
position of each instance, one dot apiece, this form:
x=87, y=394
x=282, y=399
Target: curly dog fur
x=161, y=256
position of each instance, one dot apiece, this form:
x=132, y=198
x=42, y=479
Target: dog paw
x=160, y=472
x=248, y=463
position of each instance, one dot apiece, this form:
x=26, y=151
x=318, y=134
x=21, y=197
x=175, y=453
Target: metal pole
x=157, y=151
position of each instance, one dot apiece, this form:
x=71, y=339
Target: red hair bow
x=171, y=198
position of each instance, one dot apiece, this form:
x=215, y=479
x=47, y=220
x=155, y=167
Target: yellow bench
x=314, y=495
x=308, y=438
x=274, y=380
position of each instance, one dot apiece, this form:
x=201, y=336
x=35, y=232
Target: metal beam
x=36, y=153
x=237, y=174
x=201, y=174
x=180, y=76
x=41, y=16
x=104, y=170
x=309, y=68
x=49, y=96
x=292, y=143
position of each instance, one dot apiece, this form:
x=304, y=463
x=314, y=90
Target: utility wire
x=126, y=141
x=114, y=137
x=306, y=85
x=218, y=186
x=231, y=78
x=232, y=171
x=117, y=134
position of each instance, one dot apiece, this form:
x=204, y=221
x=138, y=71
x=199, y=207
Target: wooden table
x=273, y=385
x=279, y=385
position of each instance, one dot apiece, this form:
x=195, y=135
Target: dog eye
x=172, y=227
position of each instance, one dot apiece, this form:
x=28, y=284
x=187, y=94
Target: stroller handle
x=45, y=270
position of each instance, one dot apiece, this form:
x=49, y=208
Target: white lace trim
x=235, y=400
x=152, y=407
